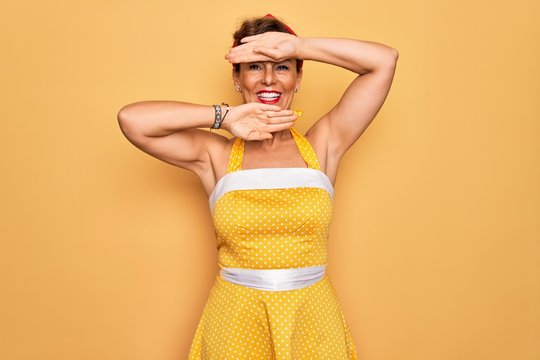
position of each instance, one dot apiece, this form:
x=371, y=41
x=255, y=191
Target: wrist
x=226, y=109
x=220, y=113
x=300, y=43
x=218, y=117
x=305, y=48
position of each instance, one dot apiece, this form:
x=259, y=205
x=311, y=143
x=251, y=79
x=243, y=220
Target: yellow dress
x=272, y=218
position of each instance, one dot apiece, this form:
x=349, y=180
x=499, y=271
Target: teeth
x=269, y=95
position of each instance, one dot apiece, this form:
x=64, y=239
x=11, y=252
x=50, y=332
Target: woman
x=270, y=189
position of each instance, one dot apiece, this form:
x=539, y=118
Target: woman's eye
x=254, y=67
x=283, y=67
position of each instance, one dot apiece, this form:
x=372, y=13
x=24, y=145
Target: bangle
x=226, y=112
x=217, y=117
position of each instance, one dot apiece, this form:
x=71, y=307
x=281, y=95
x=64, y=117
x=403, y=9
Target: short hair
x=260, y=25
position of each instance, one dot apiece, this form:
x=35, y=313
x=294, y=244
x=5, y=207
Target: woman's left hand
x=270, y=46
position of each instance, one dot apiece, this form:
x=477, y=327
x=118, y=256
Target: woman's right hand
x=256, y=121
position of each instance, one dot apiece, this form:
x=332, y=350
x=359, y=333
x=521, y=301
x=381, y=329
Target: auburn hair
x=260, y=25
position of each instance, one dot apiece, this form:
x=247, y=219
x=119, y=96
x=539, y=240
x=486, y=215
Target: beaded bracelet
x=217, y=118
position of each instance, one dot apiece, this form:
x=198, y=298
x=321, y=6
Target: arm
x=374, y=63
x=168, y=130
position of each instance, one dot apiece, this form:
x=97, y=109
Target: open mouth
x=268, y=97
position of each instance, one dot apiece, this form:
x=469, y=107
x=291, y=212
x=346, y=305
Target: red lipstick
x=268, y=96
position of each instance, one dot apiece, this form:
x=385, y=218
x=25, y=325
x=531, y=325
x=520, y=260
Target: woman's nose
x=269, y=76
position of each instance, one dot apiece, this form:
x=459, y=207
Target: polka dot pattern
x=237, y=156
x=244, y=323
x=272, y=229
x=307, y=152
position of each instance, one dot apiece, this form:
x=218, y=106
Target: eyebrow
x=288, y=61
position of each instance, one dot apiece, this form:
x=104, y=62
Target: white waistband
x=274, y=279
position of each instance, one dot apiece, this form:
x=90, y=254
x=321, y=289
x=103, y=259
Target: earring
x=295, y=90
x=238, y=89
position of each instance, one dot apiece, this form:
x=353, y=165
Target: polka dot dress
x=272, y=228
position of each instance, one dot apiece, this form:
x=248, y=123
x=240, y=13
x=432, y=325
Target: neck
x=278, y=138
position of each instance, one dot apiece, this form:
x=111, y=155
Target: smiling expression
x=268, y=82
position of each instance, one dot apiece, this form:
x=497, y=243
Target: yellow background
x=107, y=253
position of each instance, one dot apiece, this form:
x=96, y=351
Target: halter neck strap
x=306, y=151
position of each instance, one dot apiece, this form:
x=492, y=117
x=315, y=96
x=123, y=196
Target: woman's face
x=268, y=82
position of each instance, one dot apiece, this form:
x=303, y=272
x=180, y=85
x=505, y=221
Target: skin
x=169, y=130
x=279, y=150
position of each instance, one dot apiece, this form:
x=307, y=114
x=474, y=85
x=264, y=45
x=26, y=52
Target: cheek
x=290, y=84
x=248, y=81
x=290, y=81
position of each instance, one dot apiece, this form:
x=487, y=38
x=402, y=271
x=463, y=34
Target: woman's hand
x=255, y=121
x=270, y=46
